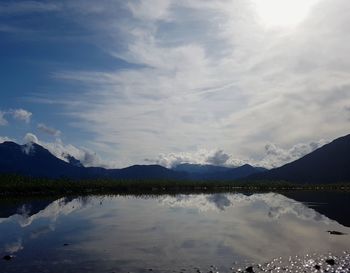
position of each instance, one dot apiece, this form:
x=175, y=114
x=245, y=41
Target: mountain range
x=212, y=172
x=36, y=161
x=328, y=164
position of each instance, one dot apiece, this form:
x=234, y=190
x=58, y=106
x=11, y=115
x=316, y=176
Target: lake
x=173, y=233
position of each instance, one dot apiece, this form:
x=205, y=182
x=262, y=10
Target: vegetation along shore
x=11, y=185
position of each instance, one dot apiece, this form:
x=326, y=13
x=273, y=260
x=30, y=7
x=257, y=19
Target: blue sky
x=223, y=82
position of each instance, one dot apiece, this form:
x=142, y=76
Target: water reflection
x=165, y=233
x=333, y=204
x=26, y=214
x=276, y=204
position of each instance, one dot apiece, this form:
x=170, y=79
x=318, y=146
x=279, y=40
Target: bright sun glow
x=283, y=13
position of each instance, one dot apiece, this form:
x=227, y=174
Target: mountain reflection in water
x=165, y=233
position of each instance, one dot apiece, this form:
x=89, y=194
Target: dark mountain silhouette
x=210, y=172
x=27, y=207
x=199, y=168
x=145, y=172
x=328, y=164
x=333, y=204
x=34, y=160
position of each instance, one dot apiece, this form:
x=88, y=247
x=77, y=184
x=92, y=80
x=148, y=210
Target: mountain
x=210, y=172
x=73, y=161
x=34, y=160
x=199, y=168
x=328, y=164
x=146, y=172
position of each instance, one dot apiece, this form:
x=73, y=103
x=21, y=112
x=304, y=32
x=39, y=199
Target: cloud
x=14, y=247
x=202, y=156
x=30, y=138
x=196, y=78
x=5, y=138
x=21, y=114
x=21, y=7
x=218, y=158
x=144, y=11
x=25, y=219
x=273, y=204
x=48, y=130
x=87, y=157
x=3, y=121
x=274, y=156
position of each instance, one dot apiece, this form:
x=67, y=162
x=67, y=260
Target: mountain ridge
x=327, y=164
x=34, y=160
x=213, y=172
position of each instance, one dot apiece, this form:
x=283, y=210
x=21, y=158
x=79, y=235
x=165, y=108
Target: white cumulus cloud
x=273, y=157
x=202, y=156
x=276, y=156
x=21, y=114
x=30, y=138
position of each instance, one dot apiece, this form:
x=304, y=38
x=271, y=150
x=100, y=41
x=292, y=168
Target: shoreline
x=17, y=185
x=57, y=188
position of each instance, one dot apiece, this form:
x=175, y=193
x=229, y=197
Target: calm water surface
x=169, y=233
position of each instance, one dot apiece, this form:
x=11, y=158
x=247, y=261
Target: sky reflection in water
x=165, y=233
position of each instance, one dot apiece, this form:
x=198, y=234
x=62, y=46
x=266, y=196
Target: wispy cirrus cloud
x=3, y=121
x=48, y=130
x=22, y=7
x=210, y=74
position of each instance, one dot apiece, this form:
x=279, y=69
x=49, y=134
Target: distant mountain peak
x=213, y=172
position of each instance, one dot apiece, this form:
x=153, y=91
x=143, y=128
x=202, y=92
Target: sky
x=116, y=83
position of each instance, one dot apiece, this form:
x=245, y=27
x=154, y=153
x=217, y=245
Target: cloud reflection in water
x=199, y=229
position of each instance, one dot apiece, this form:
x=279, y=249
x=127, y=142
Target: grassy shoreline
x=15, y=185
